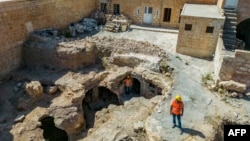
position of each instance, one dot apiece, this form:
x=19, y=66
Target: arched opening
x=51, y=132
x=108, y=96
x=153, y=91
x=95, y=100
x=136, y=87
x=243, y=32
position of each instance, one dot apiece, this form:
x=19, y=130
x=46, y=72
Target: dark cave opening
x=95, y=100
x=243, y=32
x=51, y=132
x=136, y=87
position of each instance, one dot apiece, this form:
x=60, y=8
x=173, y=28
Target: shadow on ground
x=193, y=132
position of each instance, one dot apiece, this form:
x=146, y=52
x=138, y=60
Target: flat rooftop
x=201, y=10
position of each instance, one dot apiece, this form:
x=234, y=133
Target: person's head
x=178, y=98
x=128, y=76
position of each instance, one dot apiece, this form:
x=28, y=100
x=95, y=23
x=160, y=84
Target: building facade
x=161, y=13
x=199, y=30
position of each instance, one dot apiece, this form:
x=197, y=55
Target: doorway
x=148, y=15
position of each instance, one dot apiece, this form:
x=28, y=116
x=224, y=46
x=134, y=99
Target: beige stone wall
x=17, y=19
x=243, y=10
x=236, y=67
x=221, y=3
x=129, y=8
x=176, y=7
x=197, y=42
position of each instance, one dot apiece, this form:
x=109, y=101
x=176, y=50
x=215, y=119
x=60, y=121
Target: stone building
x=163, y=13
x=199, y=30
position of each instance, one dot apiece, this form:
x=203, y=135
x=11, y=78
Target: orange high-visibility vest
x=176, y=107
x=128, y=82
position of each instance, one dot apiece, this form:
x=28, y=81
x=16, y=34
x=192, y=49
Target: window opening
x=188, y=27
x=167, y=14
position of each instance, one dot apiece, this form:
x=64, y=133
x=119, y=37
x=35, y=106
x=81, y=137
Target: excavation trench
x=89, y=78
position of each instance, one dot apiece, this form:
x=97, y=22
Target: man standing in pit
x=128, y=85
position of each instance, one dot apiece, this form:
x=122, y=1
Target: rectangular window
x=188, y=27
x=138, y=12
x=210, y=29
x=104, y=7
x=116, y=9
x=150, y=10
x=167, y=14
x=180, y=15
x=157, y=12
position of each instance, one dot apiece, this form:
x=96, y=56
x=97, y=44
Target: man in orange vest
x=177, y=110
x=128, y=84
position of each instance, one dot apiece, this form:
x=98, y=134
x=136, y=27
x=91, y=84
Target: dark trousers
x=127, y=89
x=178, y=119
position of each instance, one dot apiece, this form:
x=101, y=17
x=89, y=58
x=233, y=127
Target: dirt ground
x=203, y=108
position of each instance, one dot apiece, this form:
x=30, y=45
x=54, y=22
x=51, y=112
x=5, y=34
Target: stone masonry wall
x=236, y=67
x=176, y=8
x=197, y=42
x=135, y=9
x=221, y=3
x=18, y=19
x=243, y=10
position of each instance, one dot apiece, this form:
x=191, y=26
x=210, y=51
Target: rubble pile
x=116, y=23
x=85, y=25
x=123, y=46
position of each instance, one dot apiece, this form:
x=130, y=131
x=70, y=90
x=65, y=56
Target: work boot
x=181, y=131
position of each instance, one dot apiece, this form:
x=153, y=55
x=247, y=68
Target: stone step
x=229, y=31
x=230, y=23
x=227, y=27
x=229, y=36
x=229, y=41
x=230, y=14
x=231, y=19
x=229, y=10
x=229, y=46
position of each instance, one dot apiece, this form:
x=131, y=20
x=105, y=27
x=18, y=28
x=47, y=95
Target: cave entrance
x=95, y=100
x=153, y=91
x=51, y=132
x=243, y=32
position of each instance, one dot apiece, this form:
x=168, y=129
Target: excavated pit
x=94, y=102
x=219, y=136
x=51, y=132
x=84, y=81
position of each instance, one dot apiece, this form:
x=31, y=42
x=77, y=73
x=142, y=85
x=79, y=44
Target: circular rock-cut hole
x=95, y=100
x=51, y=132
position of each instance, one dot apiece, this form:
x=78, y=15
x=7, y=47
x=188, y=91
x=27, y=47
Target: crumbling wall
x=19, y=18
x=236, y=67
x=40, y=51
